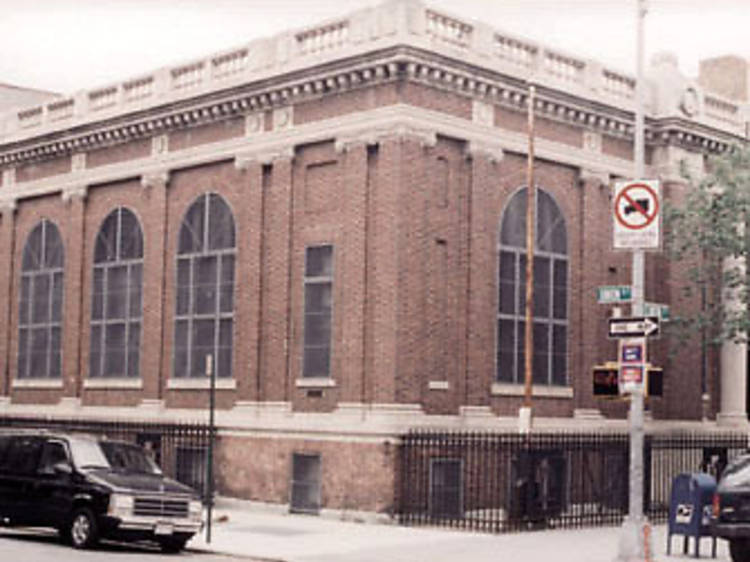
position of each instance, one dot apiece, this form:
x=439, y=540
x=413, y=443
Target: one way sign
x=638, y=327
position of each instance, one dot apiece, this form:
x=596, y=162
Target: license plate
x=163, y=529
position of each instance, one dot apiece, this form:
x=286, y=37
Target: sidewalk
x=244, y=531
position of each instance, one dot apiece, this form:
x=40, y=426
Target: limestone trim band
x=202, y=383
x=503, y=389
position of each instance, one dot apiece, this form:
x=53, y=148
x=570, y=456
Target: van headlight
x=196, y=509
x=120, y=505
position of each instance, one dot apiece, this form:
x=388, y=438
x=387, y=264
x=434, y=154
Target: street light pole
x=210, y=372
x=635, y=537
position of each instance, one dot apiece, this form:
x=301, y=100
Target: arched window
x=40, y=306
x=116, y=304
x=205, y=289
x=550, y=292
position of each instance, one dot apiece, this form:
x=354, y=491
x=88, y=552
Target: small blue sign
x=632, y=353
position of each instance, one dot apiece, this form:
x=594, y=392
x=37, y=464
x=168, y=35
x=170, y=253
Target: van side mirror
x=62, y=467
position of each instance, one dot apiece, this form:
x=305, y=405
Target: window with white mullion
x=318, y=311
x=116, y=318
x=550, y=292
x=204, y=311
x=40, y=304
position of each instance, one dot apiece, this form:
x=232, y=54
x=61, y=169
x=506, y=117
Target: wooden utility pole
x=525, y=415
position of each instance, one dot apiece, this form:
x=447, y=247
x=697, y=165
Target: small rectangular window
x=318, y=298
x=305, y=497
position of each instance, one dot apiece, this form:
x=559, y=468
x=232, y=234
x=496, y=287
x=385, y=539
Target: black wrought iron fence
x=179, y=448
x=498, y=482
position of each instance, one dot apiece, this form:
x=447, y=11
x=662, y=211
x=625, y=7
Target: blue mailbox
x=690, y=510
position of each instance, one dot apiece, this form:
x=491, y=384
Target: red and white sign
x=631, y=376
x=637, y=215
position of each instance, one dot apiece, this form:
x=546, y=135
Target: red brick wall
x=140, y=148
x=194, y=136
x=354, y=475
x=364, y=99
x=43, y=169
x=414, y=229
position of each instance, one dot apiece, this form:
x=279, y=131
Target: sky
x=69, y=45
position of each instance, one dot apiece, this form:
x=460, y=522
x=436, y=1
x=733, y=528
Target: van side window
x=23, y=455
x=53, y=453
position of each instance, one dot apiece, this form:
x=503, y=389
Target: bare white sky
x=69, y=45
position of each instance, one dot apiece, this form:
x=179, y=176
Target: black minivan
x=90, y=488
x=731, y=508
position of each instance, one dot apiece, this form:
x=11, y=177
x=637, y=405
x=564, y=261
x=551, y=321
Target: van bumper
x=152, y=527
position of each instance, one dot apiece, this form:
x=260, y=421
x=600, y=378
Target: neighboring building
x=15, y=96
x=336, y=216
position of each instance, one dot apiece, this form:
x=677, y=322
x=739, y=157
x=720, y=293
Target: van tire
x=172, y=545
x=83, y=530
x=739, y=550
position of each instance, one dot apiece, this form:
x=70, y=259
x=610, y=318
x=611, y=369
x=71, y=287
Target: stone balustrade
x=395, y=22
x=722, y=110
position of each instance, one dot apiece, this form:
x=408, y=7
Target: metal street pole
x=525, y=414
x=211, y=430
x=635, y=536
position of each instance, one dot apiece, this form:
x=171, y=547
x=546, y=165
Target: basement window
x=305, y=483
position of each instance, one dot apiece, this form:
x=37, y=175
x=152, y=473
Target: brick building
x=335, y=215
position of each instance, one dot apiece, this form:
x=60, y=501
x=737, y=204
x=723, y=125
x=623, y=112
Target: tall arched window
x=550, y=292
x=205, y=289
x=40, y=304
x=116, y=304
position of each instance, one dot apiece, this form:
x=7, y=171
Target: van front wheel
x=83, y=530
x=172, y=545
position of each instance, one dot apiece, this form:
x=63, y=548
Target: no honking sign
x=637, y=215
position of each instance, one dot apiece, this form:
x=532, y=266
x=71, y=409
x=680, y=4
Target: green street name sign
x=654, y=309
x=613, y=294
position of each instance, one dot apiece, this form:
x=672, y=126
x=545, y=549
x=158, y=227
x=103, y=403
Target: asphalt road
x=39, y=545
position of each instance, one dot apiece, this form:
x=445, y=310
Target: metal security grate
x=158, y=507
x=500, y=482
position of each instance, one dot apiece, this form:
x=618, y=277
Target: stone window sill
x=38, y=383
x=505, y=389
x=115, y=382
x=203, y=383
x=315, y=382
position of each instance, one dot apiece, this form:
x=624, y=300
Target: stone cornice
x=692, y=136
x=395, y=64
x=382, y=123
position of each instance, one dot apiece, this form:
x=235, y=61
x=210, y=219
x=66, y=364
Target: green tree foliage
x=709, y=232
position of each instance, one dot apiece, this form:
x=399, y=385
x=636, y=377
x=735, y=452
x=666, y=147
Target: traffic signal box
x=605, y=380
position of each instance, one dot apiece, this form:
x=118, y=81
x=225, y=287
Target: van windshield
x=87, y=454
x=131, y=458
x=111, y=455
x=737, y=474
